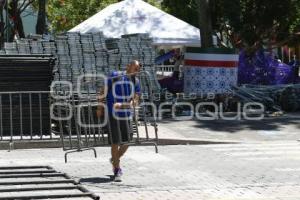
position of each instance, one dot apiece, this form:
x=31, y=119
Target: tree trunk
x=19, y=28
x=15, y=15
x=205, y=23
x=1, y=27
x=41, y=21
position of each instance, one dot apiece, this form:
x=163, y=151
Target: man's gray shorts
x=119, y=131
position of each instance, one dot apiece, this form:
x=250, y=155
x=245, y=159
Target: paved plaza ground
x=264, y=164
x=283, y=128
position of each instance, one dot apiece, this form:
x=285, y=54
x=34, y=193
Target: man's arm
x=132, y=104
x=137, y=92
x=136, y=100
x=101, y=99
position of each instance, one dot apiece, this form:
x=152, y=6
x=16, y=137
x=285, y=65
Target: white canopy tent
x=137, y=16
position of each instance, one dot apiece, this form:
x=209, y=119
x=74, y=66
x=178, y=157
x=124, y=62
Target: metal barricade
x=74, y=116
x=164, y=70
x=24, y=116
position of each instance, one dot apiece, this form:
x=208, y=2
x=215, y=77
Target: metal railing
x=164, y=69
x=25, y=116
x=37, y=115
x=74, y=118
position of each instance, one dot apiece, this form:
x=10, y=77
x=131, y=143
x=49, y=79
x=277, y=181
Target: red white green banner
x=207, y=71
x=211, y=60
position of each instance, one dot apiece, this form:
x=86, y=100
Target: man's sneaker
x=118, y=174
x=112, y=164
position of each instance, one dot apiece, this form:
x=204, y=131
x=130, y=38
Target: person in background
x=295, y=66
x=178, y=62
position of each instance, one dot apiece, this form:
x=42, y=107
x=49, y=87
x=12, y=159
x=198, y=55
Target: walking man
x=123, y=92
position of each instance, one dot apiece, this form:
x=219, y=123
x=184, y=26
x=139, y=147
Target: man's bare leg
x=116, y=162
x=116, y=153
x=122, y=150
x=115, y=156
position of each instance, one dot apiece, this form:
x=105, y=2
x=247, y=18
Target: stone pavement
x=256, y=170
x=284, y=128
x=170, y=132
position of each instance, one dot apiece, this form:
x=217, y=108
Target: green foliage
x=155, y=3
x=65, y=14
x=257, y=22
x=182, y=9
x=244, y=22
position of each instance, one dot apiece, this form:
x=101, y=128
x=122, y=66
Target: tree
x=41, y=21
x=15, y=9
x=156, y=3
x=253, y=23
x=205, y=22
x=244, y=23
x=186, y=10
x=2, y=3
x=64, y=15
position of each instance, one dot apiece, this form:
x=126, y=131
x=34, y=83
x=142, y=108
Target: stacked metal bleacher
x=76, y=55
x=80, y=54
x=141, y=49
x=24, y=110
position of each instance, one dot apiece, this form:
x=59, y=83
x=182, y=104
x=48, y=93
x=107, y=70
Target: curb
x=194, y=142
x=38, y=144
x=30, y=144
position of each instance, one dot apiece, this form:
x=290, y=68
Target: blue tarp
x=161, y=59
x=263, y=69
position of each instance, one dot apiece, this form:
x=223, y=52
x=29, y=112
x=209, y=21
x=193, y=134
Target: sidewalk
x=284, y=128
x=172, y=132
x=264, y=164
x=210, y=172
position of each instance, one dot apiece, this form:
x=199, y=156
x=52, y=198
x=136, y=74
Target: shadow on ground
x=236, y=126
x=108, y=179
x=233, y=126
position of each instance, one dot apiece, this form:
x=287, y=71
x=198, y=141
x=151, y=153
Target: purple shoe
x=118, y=174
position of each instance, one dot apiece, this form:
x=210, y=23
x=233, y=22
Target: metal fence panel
x=24, y=116
x=75, y=119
